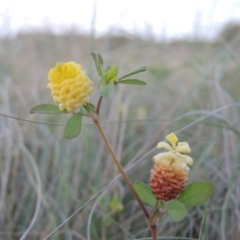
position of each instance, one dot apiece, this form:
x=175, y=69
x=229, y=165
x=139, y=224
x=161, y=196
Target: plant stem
x=120, y=168
x=99, y=104
x=154, y=232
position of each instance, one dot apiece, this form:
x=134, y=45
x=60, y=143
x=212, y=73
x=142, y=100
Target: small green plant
x=71, y=88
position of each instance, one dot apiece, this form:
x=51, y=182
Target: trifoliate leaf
x=138, y=70
x=47, y=109
x=73, y=126
x=196, y=193
x=176, y=210
x=145, y=193
x=107, y=89
x=132, y=82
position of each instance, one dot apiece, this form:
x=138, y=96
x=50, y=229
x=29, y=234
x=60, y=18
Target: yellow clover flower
x=70, y=86
x=170, y=172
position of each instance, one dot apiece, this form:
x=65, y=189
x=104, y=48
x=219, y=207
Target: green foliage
x=102, y=83
x=107, y=89
x=73, y=126
x=88, y=108
x=115, y=204
x=108, y=77
x=83, y=111
x=132, y=82
x=98, y=61
x=138, y=70
x=176, y=210
x=47, y=109
x=111, y=73
x=145, y=193
x=196, y=193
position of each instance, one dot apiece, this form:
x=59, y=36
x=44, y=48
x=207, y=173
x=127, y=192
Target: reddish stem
x=99, y=104
x=96, y=121
x=154, y=232
x=120, y=168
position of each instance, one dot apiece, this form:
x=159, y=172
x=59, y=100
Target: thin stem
x=154, y=232
x=99, y=104
x=120, y=168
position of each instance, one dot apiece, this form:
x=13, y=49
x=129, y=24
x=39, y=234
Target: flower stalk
x=119, y=166
x=152, y=224
x=125, y=177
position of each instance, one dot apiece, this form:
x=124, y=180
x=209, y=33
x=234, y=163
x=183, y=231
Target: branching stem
x=121, y=170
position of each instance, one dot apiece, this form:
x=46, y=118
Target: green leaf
x=145, y=193
x=107, y=89
x=138, y=70
x=103, y=82
x=196, y=193
x=94, y=57
x=83, y=111
x=132, y=81
x=47, y=109
x=98, y=61
x=107, y=69
x=176, y=210
x=73, y=126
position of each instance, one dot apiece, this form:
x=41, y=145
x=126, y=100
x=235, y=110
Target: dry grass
x=192, y=89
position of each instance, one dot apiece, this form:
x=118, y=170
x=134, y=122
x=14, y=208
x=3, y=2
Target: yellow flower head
x=70, y=86
x=170, y=172
x=174, y=156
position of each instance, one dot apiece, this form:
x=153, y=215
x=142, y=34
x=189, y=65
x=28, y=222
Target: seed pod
x=167, y=182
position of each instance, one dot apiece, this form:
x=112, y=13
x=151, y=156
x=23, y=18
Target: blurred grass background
x=188, y=85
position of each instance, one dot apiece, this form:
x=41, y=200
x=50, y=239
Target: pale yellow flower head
x=70, y=86
x=170, y=172
x=176, y=154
